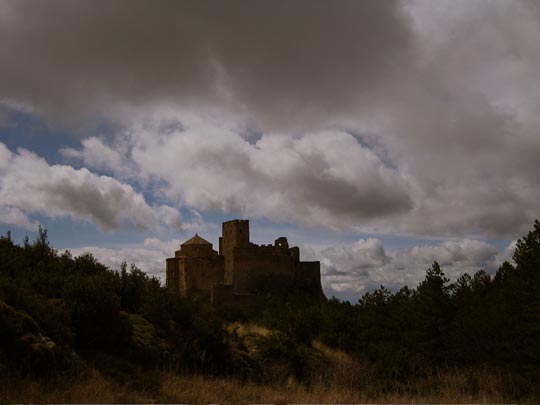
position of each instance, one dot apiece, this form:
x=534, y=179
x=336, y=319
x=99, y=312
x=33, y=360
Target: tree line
x=61, y=314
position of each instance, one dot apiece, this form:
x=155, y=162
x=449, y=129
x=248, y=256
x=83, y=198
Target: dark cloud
x=262, y=59
x=448, y=92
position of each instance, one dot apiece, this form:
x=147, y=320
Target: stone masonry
x=240, y=269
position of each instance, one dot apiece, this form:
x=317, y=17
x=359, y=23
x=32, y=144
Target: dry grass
x=340, y=369
x=334, y=355
x=95, y=388
x=202, y=390
x=335, y=378
x=246, y=329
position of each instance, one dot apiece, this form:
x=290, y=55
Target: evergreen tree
x=434, y=313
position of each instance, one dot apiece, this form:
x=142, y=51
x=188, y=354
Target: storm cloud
x=409, y=118
x=275, y=62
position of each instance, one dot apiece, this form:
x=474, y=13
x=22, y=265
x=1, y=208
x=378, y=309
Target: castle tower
x=235, y=234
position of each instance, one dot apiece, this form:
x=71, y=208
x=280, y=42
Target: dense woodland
x=61, y=316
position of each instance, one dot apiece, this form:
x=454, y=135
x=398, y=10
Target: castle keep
x=240, y=268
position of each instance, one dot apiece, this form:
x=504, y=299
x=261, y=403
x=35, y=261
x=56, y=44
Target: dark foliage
x=478, y=320
x=53, y=306
x=51, y=300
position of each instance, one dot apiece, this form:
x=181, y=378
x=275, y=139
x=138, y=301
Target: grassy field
x=489, y=387
x=342, y=380
x=337, y=379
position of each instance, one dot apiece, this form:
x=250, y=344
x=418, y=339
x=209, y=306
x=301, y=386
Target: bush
x=145, y=345
x=95, y=314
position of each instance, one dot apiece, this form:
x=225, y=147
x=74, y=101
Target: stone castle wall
x=241, y=267
x=308, y=277
x=256, y=268
x=202, y=272
x=172, y=280
x=224, y=295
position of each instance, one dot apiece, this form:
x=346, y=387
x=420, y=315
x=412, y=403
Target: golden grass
x=334, y=377
x=334, y=355
x=203, y=390
x=94, y=388
x=452, y=387
x=245, y=329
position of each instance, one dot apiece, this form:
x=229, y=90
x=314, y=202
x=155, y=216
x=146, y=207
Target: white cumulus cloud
x=361, y=266
x=347, y=271
x=28, y=184
x=323, y=179
x=148, y=256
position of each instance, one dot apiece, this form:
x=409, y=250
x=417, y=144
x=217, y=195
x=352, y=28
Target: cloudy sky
x=378, y=136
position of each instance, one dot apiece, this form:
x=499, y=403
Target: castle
x=240, y=269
